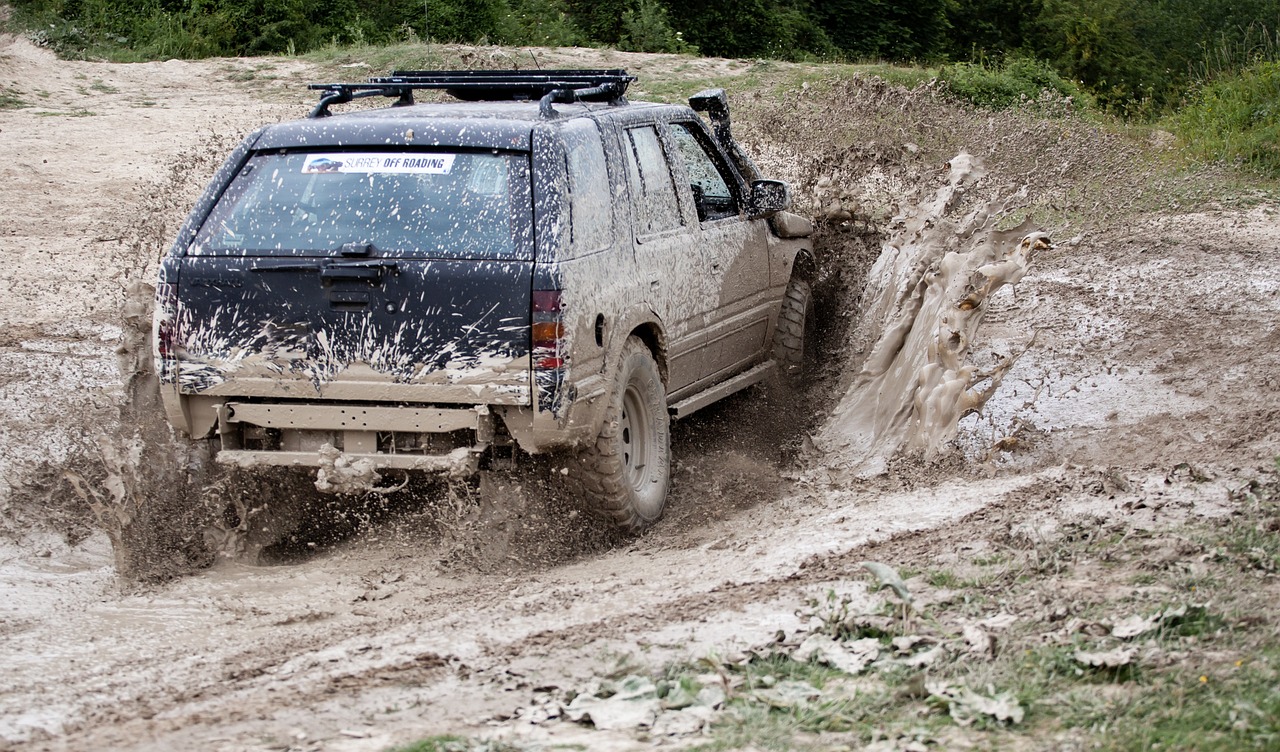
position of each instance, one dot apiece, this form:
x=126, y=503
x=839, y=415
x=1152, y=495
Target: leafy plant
x=1016, y=81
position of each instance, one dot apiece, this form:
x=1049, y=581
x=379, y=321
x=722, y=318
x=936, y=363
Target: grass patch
x=1015, y=82
x=1199, y=677
x=1236, y=119
x=70, y=113
x=9, y=100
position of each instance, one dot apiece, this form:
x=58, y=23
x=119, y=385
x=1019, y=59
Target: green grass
x=1232, y=707
x=1018, y=81
x=437, y=744
x=9, y=100
x=1236, y=119
x=72, y=113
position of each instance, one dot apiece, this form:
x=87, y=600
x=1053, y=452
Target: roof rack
x=549, y=86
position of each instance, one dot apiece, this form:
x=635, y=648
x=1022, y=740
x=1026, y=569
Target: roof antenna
x=536, y=64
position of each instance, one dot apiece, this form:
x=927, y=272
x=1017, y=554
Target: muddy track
x=1155, y=349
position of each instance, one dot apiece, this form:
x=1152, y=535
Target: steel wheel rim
x=635, y=433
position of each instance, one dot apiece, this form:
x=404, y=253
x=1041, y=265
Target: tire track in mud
x=594, y=606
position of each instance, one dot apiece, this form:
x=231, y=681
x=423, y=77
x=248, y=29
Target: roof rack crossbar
x=569, y=96
x=565, y=86
x=343, y=93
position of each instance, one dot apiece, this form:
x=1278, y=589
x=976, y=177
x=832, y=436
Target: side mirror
x=768, y=197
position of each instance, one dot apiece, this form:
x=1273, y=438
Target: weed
x=437, y=744
x=10, y=100
x=942, y=578
x=1236, y=119
x=1239, y=710
x=71, y=113
x=1017, y=81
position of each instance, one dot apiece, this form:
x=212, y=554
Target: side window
x=590, y=207
x=710, y=188
x=653, y=191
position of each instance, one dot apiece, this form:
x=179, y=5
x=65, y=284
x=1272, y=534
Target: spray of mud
x=922, y=306
x=144, y=486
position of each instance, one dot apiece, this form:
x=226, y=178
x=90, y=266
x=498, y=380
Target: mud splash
x=923, y=304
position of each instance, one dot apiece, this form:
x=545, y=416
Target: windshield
x=428, y=204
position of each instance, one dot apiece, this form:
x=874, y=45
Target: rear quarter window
x=653, y=190
x=590, y=203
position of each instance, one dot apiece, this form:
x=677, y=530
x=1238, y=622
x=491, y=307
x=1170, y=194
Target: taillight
x=166, y=319
x=165, y=327
x=548, y=331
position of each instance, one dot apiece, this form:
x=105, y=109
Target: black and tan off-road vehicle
x=541, y=265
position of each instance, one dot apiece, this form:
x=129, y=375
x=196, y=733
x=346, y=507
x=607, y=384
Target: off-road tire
x=788, y=338
x=627, y=471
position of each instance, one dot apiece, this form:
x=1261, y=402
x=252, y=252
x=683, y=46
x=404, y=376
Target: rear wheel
x=627, y=470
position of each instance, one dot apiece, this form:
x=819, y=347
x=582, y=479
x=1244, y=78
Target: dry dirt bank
x=1156, y=346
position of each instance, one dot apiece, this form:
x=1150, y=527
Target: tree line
x=1134, y=56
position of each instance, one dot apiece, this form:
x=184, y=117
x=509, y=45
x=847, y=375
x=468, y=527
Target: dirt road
x=1158, y=346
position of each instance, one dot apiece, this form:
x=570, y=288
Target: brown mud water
x=922, y=307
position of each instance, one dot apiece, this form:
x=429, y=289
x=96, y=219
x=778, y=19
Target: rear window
x=428, y=204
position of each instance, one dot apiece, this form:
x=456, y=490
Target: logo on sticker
x=419, y=164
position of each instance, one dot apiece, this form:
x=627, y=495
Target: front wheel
x=788, y=337
x=627, y=470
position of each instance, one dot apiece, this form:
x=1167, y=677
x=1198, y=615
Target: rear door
x=668, y=257
x=363, y=275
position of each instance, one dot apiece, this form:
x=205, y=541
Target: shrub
x=1236, y=119
x=1017, y=80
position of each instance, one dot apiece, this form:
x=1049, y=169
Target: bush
x=1236, y=119
x=1016, y=81
x=646, y=28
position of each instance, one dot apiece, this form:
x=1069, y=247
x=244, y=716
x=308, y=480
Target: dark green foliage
x=983, y=29
x=645, y=28
x=1138, y=58
x=751, y=28
x=887, y=29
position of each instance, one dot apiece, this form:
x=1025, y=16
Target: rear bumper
x=292, y=433
x=459, y=462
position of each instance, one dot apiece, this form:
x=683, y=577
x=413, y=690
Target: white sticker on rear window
x=421, y=164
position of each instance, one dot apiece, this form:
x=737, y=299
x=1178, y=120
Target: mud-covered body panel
x=279, y=328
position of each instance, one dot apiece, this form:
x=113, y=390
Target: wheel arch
x=805, y=265
x=655, y=339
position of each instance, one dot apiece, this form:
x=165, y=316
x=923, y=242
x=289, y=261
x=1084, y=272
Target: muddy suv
x=539, y=266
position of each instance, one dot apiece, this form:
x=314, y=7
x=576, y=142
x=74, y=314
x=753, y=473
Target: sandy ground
x=1157, y=345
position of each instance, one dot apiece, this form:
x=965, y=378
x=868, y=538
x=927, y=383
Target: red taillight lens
x=166, y=319
x=546, y=301
x=548, y=330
